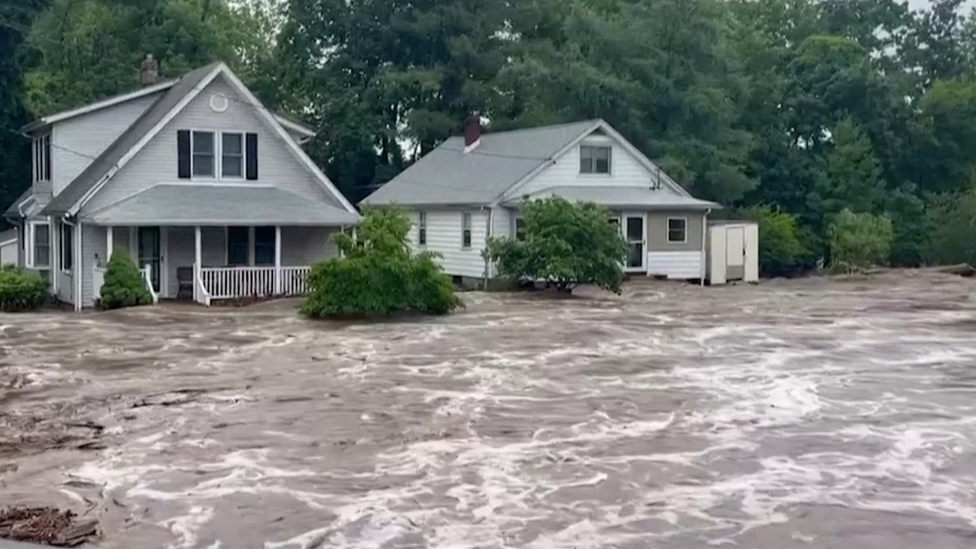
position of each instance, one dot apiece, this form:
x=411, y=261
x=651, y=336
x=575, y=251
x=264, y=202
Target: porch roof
x=222, y=205
x=638, y=198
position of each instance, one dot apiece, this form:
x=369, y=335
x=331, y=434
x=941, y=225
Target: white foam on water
x=186, y=527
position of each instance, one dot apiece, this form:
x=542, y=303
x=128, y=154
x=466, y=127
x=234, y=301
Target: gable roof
x=495, y=168
x=99, y=105
x=110, y=157
x=8, y=236
x=170, y=103
x=13, y=212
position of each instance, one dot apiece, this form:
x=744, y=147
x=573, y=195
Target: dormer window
x=41, y=159
x=594, y=159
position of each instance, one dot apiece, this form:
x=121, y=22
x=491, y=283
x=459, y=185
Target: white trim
x=109, y=242
x=294, y=126
x=626, y=217
x=150, y=135
x=220, y=159
x=594, y=174
x=280, y=130
x=29, y=260
x=667, y=236
x=8, y=242
x=216, y=150
x=473, y=146
x=64, y=115
x=79, y=296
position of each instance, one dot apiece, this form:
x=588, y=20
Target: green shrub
x=21, y=290
x=378, y=275
x=911, y=227
x=952, y=218
x=781, y=240
x=124, y=285
x=859, y=240
x=564, y=244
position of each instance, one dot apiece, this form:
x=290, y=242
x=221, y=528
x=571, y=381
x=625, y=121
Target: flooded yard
x=795, y=414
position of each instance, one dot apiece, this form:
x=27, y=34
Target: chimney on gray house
x=150, y=71
x=472, y=131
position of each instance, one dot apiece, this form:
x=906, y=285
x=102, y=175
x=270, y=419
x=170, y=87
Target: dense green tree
x=852, y=175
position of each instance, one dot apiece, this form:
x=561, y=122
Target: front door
x=635, y=233
x=150, y=253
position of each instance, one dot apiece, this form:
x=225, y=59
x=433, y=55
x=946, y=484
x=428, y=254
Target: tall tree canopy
x=809, y=106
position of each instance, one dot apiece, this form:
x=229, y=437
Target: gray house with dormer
x=209, y=192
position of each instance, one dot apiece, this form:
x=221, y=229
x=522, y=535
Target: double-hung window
x=677, y=230
x=204, y=148
x=466, y=230
x=65, y=245
x=422, y=229
x=232, y=155
x=594, y=160
x=39, y=245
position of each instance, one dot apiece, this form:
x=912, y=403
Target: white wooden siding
x=90, y=135
x=501, y=222
x=444, y=238
x=306, y=246
x=66, y=287
x=626, y=171
x=157, y=162
x=9, y=253
x=676, y=265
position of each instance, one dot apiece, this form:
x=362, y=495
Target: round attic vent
x=219, y=102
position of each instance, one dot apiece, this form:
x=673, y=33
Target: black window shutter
x=183, y=144
x=252, y=156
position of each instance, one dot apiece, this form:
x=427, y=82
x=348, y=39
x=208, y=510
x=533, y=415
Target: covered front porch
x=209, y=263
x=209, y=243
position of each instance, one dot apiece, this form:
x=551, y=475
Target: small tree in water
x=859, y=240
x=378, y=275
x=564, y=244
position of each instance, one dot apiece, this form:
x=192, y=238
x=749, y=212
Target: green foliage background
x=21, y=290
x=808, y=106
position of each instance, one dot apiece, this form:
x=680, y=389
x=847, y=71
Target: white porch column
x=197, y=261
x=79, y=268
x=277, y=283
x=109, y=242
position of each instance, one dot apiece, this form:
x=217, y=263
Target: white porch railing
x=294, y=280
x=239, y=282
x=200, y=293
x=98, y=280
x=147, y=276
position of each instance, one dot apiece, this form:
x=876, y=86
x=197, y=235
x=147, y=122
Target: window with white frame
x=232, y=155
x=41, y=159
x=204, y=148
x=39, y=245
x=677, y=230
x=67, y=250
x=595, y=159
x=422, y=229
x=466, y=230
x=519, y=229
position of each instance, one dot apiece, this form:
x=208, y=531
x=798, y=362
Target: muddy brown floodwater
x=798, y=414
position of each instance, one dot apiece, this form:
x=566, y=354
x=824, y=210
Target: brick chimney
x=150, y=71
x=472, y=132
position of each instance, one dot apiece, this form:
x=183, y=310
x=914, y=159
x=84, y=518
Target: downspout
x=704, y=250
x=491, y=212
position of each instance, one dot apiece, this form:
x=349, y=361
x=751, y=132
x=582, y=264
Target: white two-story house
x=469, y=189
x=208, y=192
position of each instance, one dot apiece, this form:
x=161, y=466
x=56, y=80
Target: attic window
x=203, y=154
x=594, y=159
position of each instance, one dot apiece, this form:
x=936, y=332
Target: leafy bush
x=781, y=240
x=859, y=240
x=911, y=227
x=952, y=218
x=21, y=290
x=565, y=244
x=124, y=285
x=378, y=275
